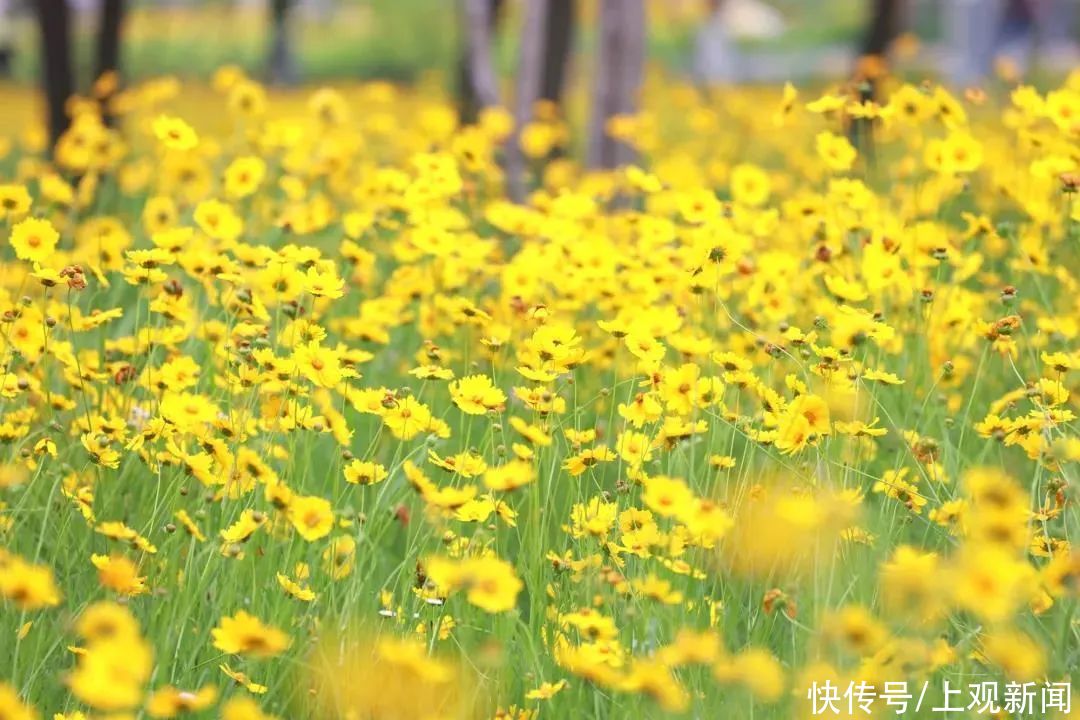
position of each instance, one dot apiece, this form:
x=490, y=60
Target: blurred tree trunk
x=281, y=65
x=7, y=44
x=527, y=92
x=883, y=27
x=56, y=73
x=559, y=38
x=108, y=52
x=619, y=75
x=478, y=86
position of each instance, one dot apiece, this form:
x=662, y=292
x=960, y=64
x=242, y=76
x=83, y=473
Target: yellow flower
x=959, y=153
x=189, y=525
x=244, y=176
x=749, y=185
x=755, y=668
x=407, y=418
x=321, y=365
x=1020, y=657
x=27, y=586
x=990, y=582
x=511, y=476
x=119, y=574
x=490, y=582
x=655, y=588
x=241, y=707
x=245, y=634
x=652, y=678
x=11, y=707
x=400, y=679
x=1063, y=108
x=174, y=133
x=15, y=201
x=115, y=664
x=294, y=589
x=577, y=464
x=359, y=472
x=312, y=516
x=476, y=395
x=835, y=151
x=168, y=702
x=339, y=557
x=243, y=680
x=34, y=240
x=104, y=621
x=546, y=691
x=667, y=496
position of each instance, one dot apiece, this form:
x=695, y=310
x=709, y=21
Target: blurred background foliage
x=397, y=40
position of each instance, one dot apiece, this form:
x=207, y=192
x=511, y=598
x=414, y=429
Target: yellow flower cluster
x=290, y=387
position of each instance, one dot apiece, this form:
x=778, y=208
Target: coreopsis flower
x=401, y=679
x=189, y=525
x=835, y=151
x=324, y=283
x=749, y=185
x=15, y=201
x=26, y=585
x=242, y=707
x=1019, y=656
x=510, y=476
x=476, y=395
x=360, y=472
x=245, y=634
x=119, y=574
x=990, y=582
x=174, y=133
x=244, y=176
x=667, y=496
x=34, y=240
x=757, y=670
x=658, y=589
x=596, y=518
x=577, y=464
x=312, y=516
x=243, y=680
x=894, y=485
x=407, y=417
x=244, y=527
x=1063, y=108
x=12, y=706
x=490, y=583
x=295, y=589
x=339, y=557
x=170, y=702
x=546, y=690
x=113, y=668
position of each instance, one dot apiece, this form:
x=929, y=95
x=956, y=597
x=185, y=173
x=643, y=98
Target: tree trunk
x=619, y=75
x=527, y=92
x=7, y=44
x=478, y=86
x=479, y=82
x=108, y=49
x=281, y=65
x=559, y=38
x=56, y=74
x=883, y=27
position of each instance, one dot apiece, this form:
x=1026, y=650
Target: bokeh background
x=289, y=42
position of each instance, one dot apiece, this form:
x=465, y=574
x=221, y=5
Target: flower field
x=301, y=416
